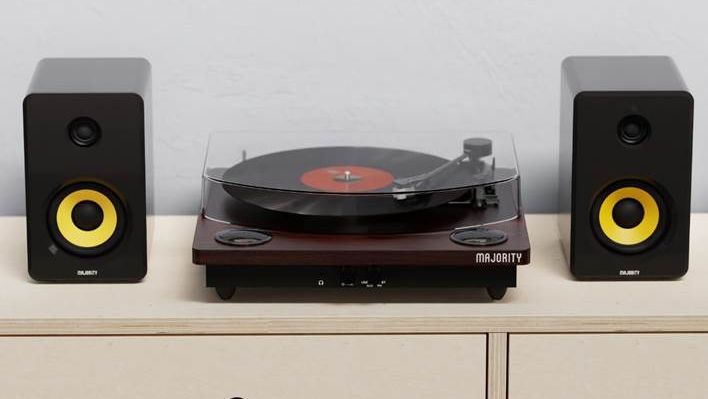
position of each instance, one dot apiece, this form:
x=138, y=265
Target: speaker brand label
x=498, y=257
x=629, y=272
x=87, y=272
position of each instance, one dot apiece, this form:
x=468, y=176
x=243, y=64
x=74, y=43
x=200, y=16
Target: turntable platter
x=351, y=181
x=346, y=179
x=331, y=169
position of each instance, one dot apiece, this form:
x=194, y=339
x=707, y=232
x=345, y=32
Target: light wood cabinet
x=262, y=367
x=642, y=366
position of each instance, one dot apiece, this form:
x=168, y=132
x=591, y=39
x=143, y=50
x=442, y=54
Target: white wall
x=363, y=65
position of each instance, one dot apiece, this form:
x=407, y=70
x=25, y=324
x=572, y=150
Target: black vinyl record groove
x=274, y=181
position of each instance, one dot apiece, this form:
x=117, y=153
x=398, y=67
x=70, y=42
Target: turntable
x=366, y=211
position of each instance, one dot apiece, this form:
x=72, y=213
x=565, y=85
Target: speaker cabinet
x=87, y=169
x=625, y=167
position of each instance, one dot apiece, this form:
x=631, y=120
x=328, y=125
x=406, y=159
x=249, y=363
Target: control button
x=375, y=276
x=84, y=131
x=478, y=236
x=628, y=213
x=347, y=277
x=242, y=237
x=87, y=215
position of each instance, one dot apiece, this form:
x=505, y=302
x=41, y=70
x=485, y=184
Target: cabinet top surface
x=173, y=297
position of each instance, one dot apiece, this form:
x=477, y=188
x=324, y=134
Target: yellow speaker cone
x=636, y=234
x=86, y=238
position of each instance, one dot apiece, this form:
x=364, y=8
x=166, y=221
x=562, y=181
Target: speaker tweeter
x=84, y=131
x=633, y=129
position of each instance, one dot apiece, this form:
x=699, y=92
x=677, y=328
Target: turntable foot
x=496, y=292
x=225, y=293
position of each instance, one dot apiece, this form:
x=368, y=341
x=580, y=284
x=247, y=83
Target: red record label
x=346, y=179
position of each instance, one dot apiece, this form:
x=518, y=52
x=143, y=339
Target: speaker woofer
x=629, y=216
x=86, y=219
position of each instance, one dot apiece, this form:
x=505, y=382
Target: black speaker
x=625, y=167
x=87, y=169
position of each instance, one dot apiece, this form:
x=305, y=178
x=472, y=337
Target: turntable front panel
x=423, y=249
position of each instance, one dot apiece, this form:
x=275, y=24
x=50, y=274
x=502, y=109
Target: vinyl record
x=344, y=181
x=286, y=170
x=225, y=207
